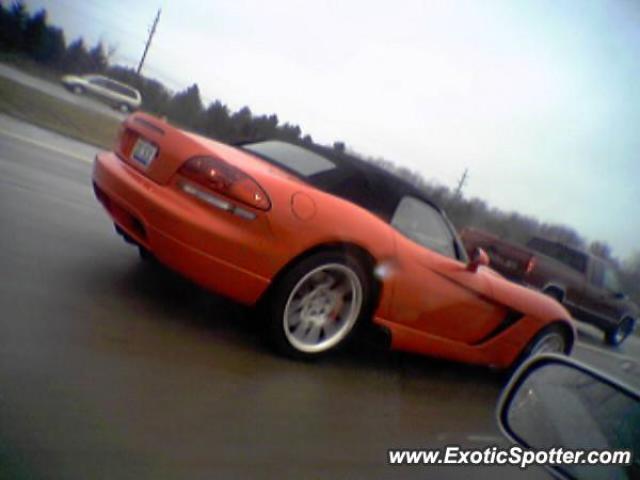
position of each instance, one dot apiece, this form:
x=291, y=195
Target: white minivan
x=117, y=94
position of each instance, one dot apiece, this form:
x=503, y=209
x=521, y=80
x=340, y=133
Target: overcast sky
x=540, y=100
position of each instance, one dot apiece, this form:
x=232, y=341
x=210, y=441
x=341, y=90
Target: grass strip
x=46, y=111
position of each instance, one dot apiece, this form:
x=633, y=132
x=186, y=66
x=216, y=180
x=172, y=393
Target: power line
x=148, y=44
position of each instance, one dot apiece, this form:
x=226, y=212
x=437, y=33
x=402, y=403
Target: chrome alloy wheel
x=322, y=308
x=551, y=343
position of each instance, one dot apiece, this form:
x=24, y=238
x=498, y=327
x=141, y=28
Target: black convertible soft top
x=363, y=183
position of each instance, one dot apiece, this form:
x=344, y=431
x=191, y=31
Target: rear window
x=568, y=256
x=301, y=161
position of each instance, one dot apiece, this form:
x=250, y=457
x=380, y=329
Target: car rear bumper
x=212, y=251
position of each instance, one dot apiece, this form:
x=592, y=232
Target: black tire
x=280, y=310
x=619, y=333
x=534, y=343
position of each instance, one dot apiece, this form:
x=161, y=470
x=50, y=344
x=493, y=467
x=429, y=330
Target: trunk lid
x=158, y=150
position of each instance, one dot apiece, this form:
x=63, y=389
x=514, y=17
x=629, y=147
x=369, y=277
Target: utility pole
x=461, y=182
x=146, y=47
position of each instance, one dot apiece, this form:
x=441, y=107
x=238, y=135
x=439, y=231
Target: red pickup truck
x=585, y=284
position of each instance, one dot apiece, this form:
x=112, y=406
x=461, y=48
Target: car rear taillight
x=223, y=178
x=531, y=264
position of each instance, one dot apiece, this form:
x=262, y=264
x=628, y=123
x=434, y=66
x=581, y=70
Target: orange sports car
x=326, y=244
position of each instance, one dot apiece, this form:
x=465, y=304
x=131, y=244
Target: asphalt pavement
x=113, y=368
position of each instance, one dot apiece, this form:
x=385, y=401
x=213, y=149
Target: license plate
x=144, y=152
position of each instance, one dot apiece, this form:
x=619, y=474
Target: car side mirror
x=553, y=401
x=478, y=258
